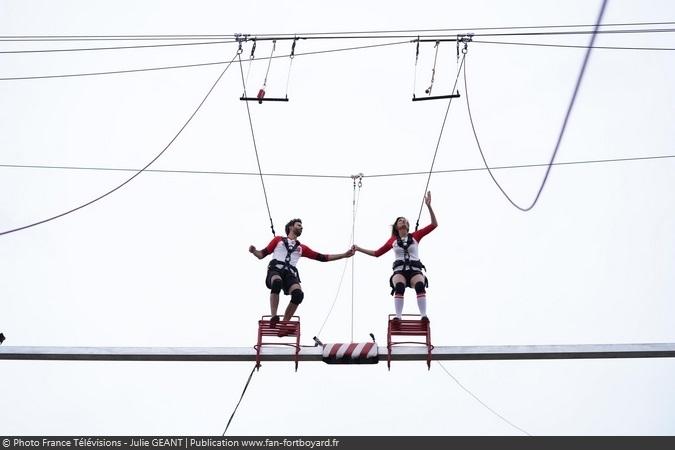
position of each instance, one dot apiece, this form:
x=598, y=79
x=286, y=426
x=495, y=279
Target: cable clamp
x=359, y=176
x=240, y=38
x=464, y=39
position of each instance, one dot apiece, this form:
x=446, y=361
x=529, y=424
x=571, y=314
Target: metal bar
x=435, y=97
x=266, y=99
x=400, y=353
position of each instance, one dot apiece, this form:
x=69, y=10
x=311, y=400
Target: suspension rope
x=358, y=177
x=481, y=401
x=290, y=64
x=255, y=146
x=438, y=143
x=240, y=399
x=355, y=209
x=250, y=60
x=433, y=69
x=269, y=62
x=562, y=129
x=417, y=57
x=194, y=113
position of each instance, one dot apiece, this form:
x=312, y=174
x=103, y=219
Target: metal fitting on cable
x=295, y=40
x=253, y=50
x=240, y=38
x=464, y=39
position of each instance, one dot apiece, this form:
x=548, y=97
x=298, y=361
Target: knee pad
x=419, y=288
x=399, y=288
x=276, y=286
x=297, y=296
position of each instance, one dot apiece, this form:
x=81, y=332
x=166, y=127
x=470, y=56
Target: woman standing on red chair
x=407, y=265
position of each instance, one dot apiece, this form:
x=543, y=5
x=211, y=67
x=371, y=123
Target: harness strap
x=416, y=264
x=287, y=260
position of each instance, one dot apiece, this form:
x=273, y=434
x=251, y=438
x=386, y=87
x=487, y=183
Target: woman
x=407, y=264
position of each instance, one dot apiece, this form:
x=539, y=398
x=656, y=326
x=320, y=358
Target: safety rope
x=240, y=399
x=562, y=129
x=438, y=143
x=255, y=146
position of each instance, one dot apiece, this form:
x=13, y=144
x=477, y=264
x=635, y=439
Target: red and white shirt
x=279, y=252
x=413, y=248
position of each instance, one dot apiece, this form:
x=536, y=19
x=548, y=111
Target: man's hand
x=257, y=253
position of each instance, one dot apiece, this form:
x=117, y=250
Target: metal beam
x=399, y=352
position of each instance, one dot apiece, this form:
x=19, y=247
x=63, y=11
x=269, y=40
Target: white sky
x=164, y=261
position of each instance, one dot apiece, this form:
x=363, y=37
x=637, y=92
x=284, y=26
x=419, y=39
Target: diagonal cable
x=240, y=399
x=134, y=175
x=481, y=401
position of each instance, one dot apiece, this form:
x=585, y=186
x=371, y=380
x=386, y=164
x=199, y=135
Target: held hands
x=349, y=253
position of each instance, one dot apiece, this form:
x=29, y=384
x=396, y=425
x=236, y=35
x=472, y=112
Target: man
x=282, y=272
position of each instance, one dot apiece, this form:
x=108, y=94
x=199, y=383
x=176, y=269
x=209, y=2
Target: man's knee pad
x=276, y=286
x=297, y=296
x=399, y=288
x=419, y=287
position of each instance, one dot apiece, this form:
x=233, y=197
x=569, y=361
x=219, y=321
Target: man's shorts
x=288, y=278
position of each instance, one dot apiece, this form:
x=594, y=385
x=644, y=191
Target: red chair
x=408, y=327
x=281, y=329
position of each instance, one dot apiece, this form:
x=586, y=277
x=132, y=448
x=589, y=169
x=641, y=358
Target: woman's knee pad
x=399, y=288
x=419, y=287
x=297, y=296
x=276, y=286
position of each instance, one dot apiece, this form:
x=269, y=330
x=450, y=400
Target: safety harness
x=287, y=261
x=407, y=262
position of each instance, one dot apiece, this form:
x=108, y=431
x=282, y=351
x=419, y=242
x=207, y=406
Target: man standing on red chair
x=282, y=273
